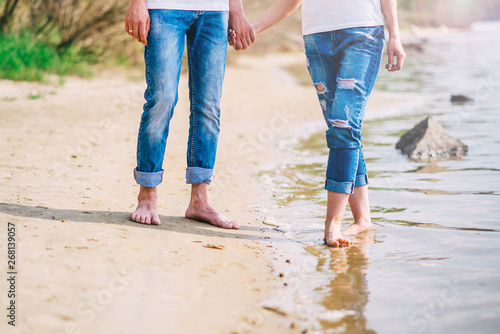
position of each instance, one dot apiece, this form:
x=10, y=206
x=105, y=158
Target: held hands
x=395, y=49
x=240, y=33
x=137, y=21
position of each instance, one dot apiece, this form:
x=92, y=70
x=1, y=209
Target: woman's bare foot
x=357, y=227
x=200, y=209
x=333, y=236
x=146, y=213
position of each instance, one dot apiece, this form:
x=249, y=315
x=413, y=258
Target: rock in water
x=461, y=99
x=429, y=141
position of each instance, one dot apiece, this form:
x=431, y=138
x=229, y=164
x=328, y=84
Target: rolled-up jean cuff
x=339, y=187
x=146, y=179
x=197, y=175
x=361, y=180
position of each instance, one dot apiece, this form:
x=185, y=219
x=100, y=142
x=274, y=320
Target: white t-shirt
x=215, y=5
x=328, y=15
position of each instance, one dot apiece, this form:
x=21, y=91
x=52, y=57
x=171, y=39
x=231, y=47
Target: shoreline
x=67, y=184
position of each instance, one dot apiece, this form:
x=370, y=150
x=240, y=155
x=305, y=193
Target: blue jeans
x=343, y=65
x=206, y=35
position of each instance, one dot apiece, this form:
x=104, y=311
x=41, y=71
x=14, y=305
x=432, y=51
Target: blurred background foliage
x=63, y=36
x=451, y=13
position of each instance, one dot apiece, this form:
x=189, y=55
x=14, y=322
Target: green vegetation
x=23, y=57
x=39, y=37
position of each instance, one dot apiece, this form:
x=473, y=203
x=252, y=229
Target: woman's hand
x=395, y=49
x=231, y=36
x=394, y=46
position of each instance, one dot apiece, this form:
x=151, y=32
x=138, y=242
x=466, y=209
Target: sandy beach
x=68, y=151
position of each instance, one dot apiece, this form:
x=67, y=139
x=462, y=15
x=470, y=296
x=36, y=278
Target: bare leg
x=360, y=207
x=200, y=209
x=146, y=209
x=334, y=213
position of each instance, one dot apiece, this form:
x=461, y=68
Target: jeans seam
x=147, y=92
x=196, y=14
x=372, y=72
x=320, y=58
x=335, y=40
x=191, y=93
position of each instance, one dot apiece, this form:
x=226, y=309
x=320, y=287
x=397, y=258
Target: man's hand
x=243, y=35
x=395, y=49
x=137, y=21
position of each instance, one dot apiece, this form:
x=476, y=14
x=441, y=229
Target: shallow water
x=432, y=263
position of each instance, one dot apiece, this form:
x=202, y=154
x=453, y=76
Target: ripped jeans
x=343, y=65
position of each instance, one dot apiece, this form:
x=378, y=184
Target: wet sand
x=66, y=182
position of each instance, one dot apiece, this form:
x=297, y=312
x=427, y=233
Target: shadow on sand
x=169, y=223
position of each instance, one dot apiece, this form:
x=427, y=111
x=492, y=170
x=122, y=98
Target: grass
x=24, y=57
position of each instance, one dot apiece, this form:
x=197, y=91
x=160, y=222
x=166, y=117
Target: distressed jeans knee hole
x=340, y=123
x=346, y=83
x=320, y=88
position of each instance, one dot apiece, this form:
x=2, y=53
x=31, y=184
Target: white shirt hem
x=183, y=6
x=326, y=28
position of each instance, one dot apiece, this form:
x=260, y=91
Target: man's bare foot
x=334, y=238
x=200, y=209
x=206, y=213
x=357, y=227
x=146, y=213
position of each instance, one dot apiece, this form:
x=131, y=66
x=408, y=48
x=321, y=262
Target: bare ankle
x=146, y=212
x=199, y=195
x=147, y=193
x=333, y=224
x=363, y=221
